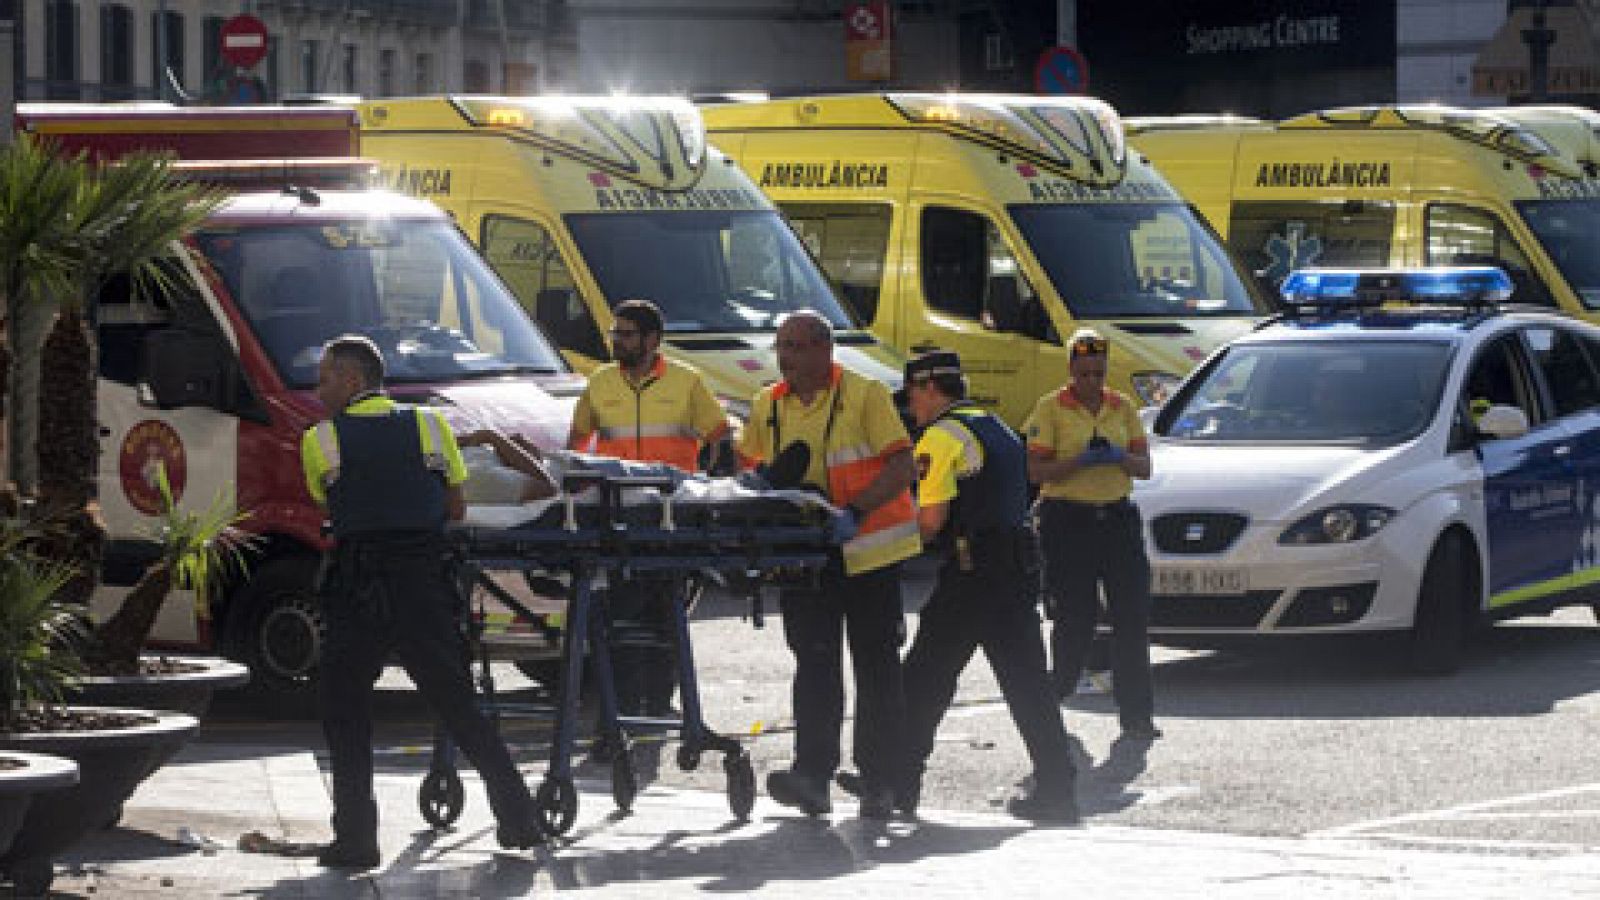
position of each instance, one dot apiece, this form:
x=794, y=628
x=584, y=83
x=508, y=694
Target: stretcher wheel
x=741, y=784
x=688, y=757
x=557, y=804
x=441, y=797
x=624, y=780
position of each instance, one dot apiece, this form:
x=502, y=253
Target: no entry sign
x=244, y=41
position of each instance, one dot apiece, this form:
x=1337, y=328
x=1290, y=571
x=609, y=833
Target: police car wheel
x=277, y=628
x=1439, y=632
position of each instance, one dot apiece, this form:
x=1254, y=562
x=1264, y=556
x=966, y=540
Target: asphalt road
x=1328, y=739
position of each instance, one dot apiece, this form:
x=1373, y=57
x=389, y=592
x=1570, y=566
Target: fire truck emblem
x=149, y=448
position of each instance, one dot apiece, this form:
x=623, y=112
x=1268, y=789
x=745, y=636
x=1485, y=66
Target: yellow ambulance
x=994, y=226
x=1403, y=185
x=580, y=203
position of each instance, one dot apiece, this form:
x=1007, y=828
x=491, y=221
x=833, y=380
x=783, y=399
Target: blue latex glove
x=843, y=525
x=1104, y=455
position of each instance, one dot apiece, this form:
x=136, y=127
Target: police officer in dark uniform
x=390, y=477
x=972, y=493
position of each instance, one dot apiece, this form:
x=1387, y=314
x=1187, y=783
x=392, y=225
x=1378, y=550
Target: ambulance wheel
x=276, y=627
x=624, y=780
x=741, y=784
x=1439, y=632
x=441, y=797
x=688, y=757
x=557, y=804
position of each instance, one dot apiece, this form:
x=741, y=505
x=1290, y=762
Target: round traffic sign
x=244, y=41
x=1061, y=70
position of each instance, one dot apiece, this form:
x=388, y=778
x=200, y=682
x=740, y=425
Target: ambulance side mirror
x=181, y=368
x=563, y=316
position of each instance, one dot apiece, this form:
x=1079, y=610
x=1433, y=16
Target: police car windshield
x=1569, y=231
x=1132, y=260
x=709, y=271
x=1366, y=392
x=417, y=288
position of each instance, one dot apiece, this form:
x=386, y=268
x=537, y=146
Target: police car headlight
x=1154, y=388
x=1338, y=525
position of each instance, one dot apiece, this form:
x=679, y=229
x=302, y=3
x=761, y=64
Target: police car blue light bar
x=1444, y=285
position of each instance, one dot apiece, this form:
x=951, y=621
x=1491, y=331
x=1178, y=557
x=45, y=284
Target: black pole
x=1538, y=38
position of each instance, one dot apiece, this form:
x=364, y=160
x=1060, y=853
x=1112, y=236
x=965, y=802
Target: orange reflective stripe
x=681, y=452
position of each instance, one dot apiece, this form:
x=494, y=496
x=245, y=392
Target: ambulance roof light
x=326, y=173
x=1472, y=287
x=571, y=122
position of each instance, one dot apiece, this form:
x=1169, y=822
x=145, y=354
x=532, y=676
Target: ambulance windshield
x=1569, y=231
x=709, y=271
x=417, y=288
x=1133, y=260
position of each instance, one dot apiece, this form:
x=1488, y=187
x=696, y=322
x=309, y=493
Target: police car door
x=1567, y=357
x=194, y=447
x=1528, y=481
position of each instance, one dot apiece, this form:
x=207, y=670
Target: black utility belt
x=1113, y=506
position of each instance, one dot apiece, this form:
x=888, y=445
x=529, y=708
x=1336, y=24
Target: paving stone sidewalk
x=178, y=835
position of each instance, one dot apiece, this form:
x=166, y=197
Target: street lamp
x=1538, y=37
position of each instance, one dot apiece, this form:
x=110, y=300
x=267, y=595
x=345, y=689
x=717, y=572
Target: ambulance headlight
x=1338, y=524
x=1154, y=388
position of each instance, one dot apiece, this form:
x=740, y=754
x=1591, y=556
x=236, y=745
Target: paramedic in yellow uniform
x=1085, y=447
x=647, y=408
x=860, y=459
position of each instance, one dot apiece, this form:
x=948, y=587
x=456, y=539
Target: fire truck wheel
x=277, y=629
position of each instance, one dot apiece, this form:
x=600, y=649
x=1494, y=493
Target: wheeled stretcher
x=616, y=529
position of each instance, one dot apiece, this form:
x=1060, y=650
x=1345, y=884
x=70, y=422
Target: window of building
x=166, y=37
x=309, y=53
x=386, y=72
x=850, y=241
x=1465, y=236
x=116, y=52
x=348, y=70
x=211, y=49
x=424, y=73
x=475, y=76
x=997, y=53
x=271, y=71
x=61, y=50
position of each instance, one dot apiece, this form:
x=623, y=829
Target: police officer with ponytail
x=390, y=477
x=972, y=492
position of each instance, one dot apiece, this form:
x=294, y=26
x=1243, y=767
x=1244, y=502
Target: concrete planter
x=181, y=692
x=111, y=763
x=36, y=775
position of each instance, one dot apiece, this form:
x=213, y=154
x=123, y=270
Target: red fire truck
x=212, y=379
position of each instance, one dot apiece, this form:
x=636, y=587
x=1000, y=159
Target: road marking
x=1453, y=813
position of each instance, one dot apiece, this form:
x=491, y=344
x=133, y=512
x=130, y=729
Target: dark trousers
x=992, y=608
x=397, y=597
x=644, y=635
x=1087, y=548
x=865, y=610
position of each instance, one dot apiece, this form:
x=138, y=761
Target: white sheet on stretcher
x=490, y=502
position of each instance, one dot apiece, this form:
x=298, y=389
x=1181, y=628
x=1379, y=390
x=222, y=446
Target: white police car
x=1358, y=465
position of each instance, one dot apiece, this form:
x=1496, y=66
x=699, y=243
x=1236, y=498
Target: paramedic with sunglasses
x=1085, y=447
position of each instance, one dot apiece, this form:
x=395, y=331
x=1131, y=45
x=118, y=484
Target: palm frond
x=201, y=548
x=41, y=638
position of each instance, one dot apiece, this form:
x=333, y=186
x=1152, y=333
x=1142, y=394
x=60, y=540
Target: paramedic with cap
x=860, y=459
x=647, y=408
x=390, y=477
x=972, y=494
x=1085, y=447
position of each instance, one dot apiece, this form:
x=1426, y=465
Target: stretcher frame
x=731, y=543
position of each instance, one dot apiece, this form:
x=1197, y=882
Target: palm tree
x=126, y=220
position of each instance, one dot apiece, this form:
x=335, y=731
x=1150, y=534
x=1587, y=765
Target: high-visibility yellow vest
x=665, y=417
x=855, y=420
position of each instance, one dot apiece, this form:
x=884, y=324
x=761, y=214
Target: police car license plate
x=1224, y=582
